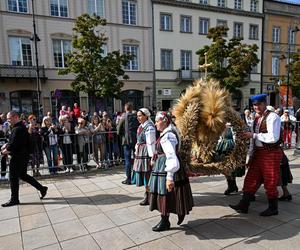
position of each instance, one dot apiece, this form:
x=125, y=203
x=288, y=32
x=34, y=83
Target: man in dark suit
x=18, y=147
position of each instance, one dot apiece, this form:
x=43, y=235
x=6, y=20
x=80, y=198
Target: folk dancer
x=264, y=167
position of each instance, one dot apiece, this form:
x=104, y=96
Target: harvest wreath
x=201, y=114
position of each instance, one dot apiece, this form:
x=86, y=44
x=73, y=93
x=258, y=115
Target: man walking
x=18, y=147
x=127, y=130
x=264, y=165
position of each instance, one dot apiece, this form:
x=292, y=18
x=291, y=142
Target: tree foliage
x=295, y=74
x=231, y=60
x=95, y=73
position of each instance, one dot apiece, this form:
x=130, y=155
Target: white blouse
x=168, y=142
x=150, y=137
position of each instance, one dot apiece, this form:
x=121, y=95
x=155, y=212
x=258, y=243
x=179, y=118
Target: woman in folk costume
x=170, y=190
x=144, y=151
x=264, y=166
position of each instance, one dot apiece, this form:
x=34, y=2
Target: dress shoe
x=43, y=192
x=163, y=225
x=126, y=182
x=180, y=219
x=272, y=209
x=11, y=203
x=285, y=198
x=231, y=187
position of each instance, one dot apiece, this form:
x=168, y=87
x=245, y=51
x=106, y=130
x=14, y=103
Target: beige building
x=128, y=29
x=282, y=24
x=180, y=29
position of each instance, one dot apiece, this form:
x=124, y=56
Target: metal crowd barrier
x=72, y=152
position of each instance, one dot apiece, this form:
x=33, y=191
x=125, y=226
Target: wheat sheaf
x=201, y=114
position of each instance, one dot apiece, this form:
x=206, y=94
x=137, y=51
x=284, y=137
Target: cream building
x=128, y=29
x=180, y=29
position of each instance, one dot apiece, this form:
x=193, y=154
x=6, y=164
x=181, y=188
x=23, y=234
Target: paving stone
x=8, y=213
x=31, y=209
x=97, y=223
x=80, y=243
x=9, y=226
x=69, y=229
x=39, y=237
x=88, y=188
x=109, y=204
x=191, y=240
x=122, y=216
x=50, y=247
x=62, y=214
x=11, y=242
x=85, y=210
x=34, y=221
x=106, y=185
x=77, y=199
x=163, y=243
x=140, y=232
x=70, y=191
x=119, y=240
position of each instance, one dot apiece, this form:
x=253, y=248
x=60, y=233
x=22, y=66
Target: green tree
x=231, y=60
x=95, y=73
x=295, y=74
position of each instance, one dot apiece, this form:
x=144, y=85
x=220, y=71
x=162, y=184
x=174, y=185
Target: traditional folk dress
x=167, y=167
x=264, y=165
x=144, y=150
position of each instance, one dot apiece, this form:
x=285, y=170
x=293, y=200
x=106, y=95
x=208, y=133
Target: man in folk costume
x=170, y=190
x=264, y=166
x=144, y=151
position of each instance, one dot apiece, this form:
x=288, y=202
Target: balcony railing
x=28, y=72
x=187, y=75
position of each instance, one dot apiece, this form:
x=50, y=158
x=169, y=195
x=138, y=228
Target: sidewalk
x=95, y=211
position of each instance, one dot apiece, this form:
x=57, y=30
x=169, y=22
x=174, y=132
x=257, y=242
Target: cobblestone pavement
x=95, y=211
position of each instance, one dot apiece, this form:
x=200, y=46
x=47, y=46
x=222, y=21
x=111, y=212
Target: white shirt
x=273, y=128
x=168, y=142
x=150, y=137
x=291, y=118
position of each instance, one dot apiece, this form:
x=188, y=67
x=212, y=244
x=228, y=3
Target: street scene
x=138, y=124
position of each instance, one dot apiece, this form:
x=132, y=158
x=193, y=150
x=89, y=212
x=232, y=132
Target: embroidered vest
x=263, y=129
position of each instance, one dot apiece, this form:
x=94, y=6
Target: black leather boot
x=10, y=203
x=180, y=219
x=231, y=187
x=145, y=201
x=163, y=225
x=43, y=192
x=272, y=209
x=243, y=205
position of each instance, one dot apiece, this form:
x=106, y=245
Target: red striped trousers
x=265, y=168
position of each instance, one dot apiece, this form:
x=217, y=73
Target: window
x=20, y=51
x=276, y=35
x=24, y=101
x=166, y=22
x=238, y=30
x=59, y=8
x=291, y=37
x=252, y=91
x=203, y=1
x=133, y=64
x=238, y=4
x=166, y=59
x=203, y=26
x=186, y=24
x=222, y=3
x=254, y=6
x=60, y=49
x=222, y=23
x=254, y=69
x=275, y=66
x=253, y=32
x=96, y=6
x=129, y=12
x=186, y=60
x=18, y=6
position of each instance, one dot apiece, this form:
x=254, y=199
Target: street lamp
x=294, y=30
x=36, y=39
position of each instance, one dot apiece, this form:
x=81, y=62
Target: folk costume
x=264, y=167
x=287, y=122
x=144, y=151
x=167, y=168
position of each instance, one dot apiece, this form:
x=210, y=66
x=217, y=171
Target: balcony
x=187, y=75
x=24, y=72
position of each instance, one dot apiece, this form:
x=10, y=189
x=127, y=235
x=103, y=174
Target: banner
x=283, y=93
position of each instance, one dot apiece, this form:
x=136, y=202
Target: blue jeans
x=52, y=157
x=127, y=157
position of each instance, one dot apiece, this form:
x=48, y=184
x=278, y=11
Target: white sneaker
x=71, y=170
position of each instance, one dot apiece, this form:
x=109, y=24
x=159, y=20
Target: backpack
x=131, y=126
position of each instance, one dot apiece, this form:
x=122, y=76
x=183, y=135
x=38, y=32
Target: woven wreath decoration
x=201, y=114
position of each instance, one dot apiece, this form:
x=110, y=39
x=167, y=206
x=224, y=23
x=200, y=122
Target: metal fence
x=67, y=153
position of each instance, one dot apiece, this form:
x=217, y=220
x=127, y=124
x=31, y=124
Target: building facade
x=281, y=34
x=180, y=29
x=129, y=29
